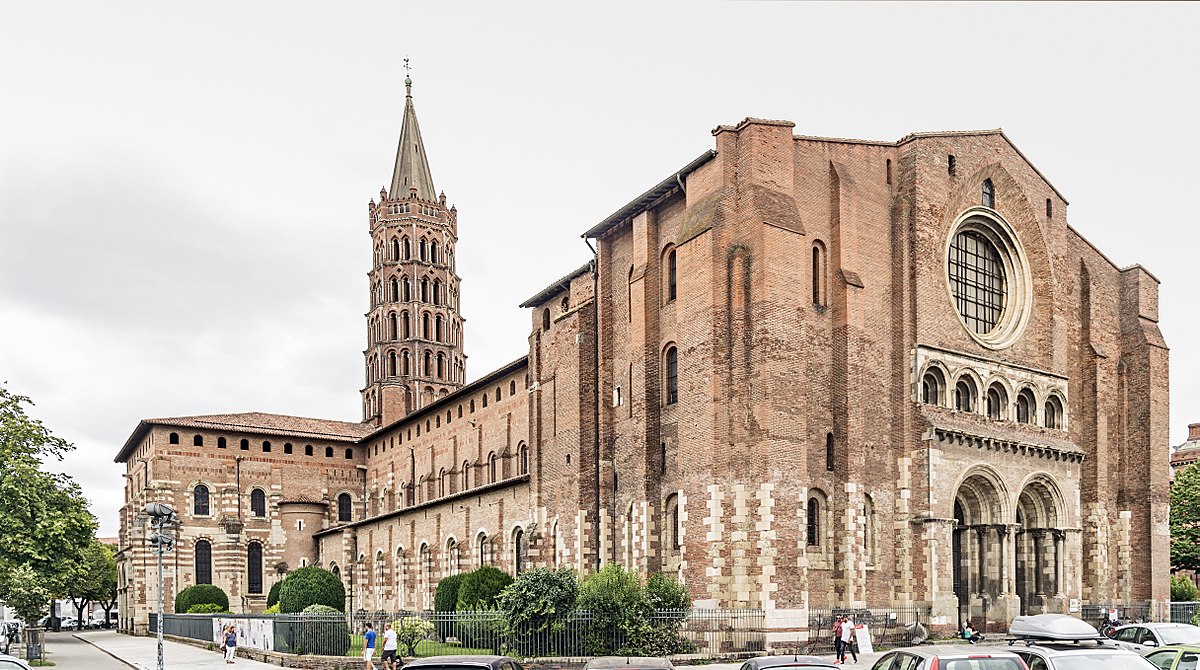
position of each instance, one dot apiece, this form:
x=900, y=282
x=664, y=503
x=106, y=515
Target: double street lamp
x=161, y=516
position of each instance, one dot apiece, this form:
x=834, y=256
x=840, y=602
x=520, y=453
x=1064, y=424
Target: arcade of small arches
x=400, y=248
x=1009, y=547
x=244, y=445
x=492, y=469
x=402, y=579
x=1002, y=400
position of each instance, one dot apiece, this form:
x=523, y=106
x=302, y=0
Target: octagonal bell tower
x=414, y=351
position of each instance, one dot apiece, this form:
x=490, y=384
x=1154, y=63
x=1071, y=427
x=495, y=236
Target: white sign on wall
x=863, y=634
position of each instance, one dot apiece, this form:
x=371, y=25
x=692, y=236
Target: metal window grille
x=977, y=281
x=203, y=562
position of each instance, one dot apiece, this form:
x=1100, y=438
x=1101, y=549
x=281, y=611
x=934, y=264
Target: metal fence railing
x=708, y=632
x=1183, y=612
x=889, y=626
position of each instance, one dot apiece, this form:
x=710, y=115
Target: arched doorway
x=1039, y=546
x=976, y=549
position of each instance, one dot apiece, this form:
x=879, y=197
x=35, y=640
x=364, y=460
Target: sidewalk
x=142, y=652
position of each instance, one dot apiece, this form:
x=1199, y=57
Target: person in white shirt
x=390, y=662
x=848, y=640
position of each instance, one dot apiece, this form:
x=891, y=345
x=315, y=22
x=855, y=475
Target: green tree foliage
x=273, y=594
x=619, y=607
x=273, y=609
x=540, y=601
x=445, y=598
x=410, y=631
x=49, y=510
x=1183, y=589
x=94, y=579
x=201, y=594
x=1185, y=519
x=27, y=595
x=480, y=588
x=667, y=593
x=312, y=585
x=109, y=600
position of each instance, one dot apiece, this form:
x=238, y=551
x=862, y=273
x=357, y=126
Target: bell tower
x=414, y=351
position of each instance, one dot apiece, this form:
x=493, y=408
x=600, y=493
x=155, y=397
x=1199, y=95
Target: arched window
x=395, y=249
x=198, y=441
x=244, y=445
x=441, y=365
x=404, y=364
x=394, y=290
x=492, y=469
x=254, y=568
x=670, y=267
x=391, y=327
x=989, y=194
x=437, y=292
x=812, y=530
x=932, y=384
x=200, y=500
x=524, y=459
x=964, y=395
x=425, y=325
x=497, y=394
x=671, y=523
x=869, y=542
x=266, y=447
x=545, y=320
x=819, y=265
x=518, y=551
x=203, y=562
x=423, y=249
x=391, y=363
x=830, y=455
x=345, y=505
x=287, y=448
x=1054, y=412
x=433, y=251
x=437, y=328
x=406, y=247
x=328, y=452
x=173, y=438
x=512, y=387
x=997, y=402
x=483, y=399
x=1026, y=406
x=424, y=289
x=452, y=557
x=258, y=503
x=482, y=550
x=442, y=488
x=672, y=376
x=428, y=368
x=308, y=450
x=221, y=443
x=349, y=454
x=466, y=475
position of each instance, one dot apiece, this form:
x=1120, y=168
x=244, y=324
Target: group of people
x=844, y=640
x=390, y=645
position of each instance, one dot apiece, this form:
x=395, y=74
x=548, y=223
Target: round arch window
x=988, y=278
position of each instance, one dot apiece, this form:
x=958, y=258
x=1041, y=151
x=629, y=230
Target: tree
x=109, y=600
x=312, y=585
x=27, y=595
x=1185, y=519
x=480, y=588
x=1183, y=590
x=410, y=631
x=539, y=602
x=94, y=579
x=48, y=510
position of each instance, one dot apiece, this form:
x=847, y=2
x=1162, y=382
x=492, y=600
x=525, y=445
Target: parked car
x=1178, y=657
x=950, y=657
x=465, y=663
x=1062, y=642
x=13, y=663
x=1143, y=637
x=764, y=662
x=627, y=663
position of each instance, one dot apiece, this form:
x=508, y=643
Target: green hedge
x=324, y=638
x=273, y=594
x=311, y=586
x=207, y=608
x=480, y=588
x=200, y=594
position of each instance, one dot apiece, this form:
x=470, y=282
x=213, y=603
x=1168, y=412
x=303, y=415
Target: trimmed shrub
x=273, y=594
x=326, y=636
x=206, y=608
x=619, y=607
x=445, y=599
x=540, y=601
x=1183, y=589
x=273, y=609
x=311, y=586
x=480, y=588
x=201, y=594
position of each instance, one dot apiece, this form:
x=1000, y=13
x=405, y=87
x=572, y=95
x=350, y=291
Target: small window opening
x=950, y=164
x=989, y=194
x=1049, y=209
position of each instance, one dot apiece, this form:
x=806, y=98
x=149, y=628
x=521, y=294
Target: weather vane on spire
x=407, y=79
x=407, y=67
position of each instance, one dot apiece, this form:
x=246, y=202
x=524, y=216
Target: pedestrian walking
x=849, y=641
x=368, y=645
x=390, y=645
x=838, y=646
x=230, y=644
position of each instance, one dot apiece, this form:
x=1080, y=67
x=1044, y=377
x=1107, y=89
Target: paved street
x=142, y=653
x=67, y=652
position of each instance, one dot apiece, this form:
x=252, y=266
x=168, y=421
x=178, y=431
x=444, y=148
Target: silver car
x=13, y=663
x=1142, y=637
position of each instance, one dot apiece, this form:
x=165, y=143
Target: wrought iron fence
x=889, y=626
x=707, y=632
x=1097, y=614
x=1183, y=612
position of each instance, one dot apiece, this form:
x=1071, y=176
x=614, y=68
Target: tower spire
x=412, y=167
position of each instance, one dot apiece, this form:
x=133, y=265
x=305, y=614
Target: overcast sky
x=183, y=187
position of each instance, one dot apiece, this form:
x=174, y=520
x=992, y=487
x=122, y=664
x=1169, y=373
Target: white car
x=1142, y=637
x=13, y=663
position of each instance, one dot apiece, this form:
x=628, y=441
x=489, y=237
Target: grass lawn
x=424, y=648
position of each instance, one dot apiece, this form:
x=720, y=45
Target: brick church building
x=799, y=372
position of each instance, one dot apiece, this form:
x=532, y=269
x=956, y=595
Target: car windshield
x=1180, y=635
x=1099, y=659
x=982, y=664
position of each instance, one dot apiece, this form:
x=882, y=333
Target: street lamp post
x=161, y=516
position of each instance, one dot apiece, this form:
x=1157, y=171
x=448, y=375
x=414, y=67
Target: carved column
x=981, y=537
x=1038, y=561
x=1058, y=561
